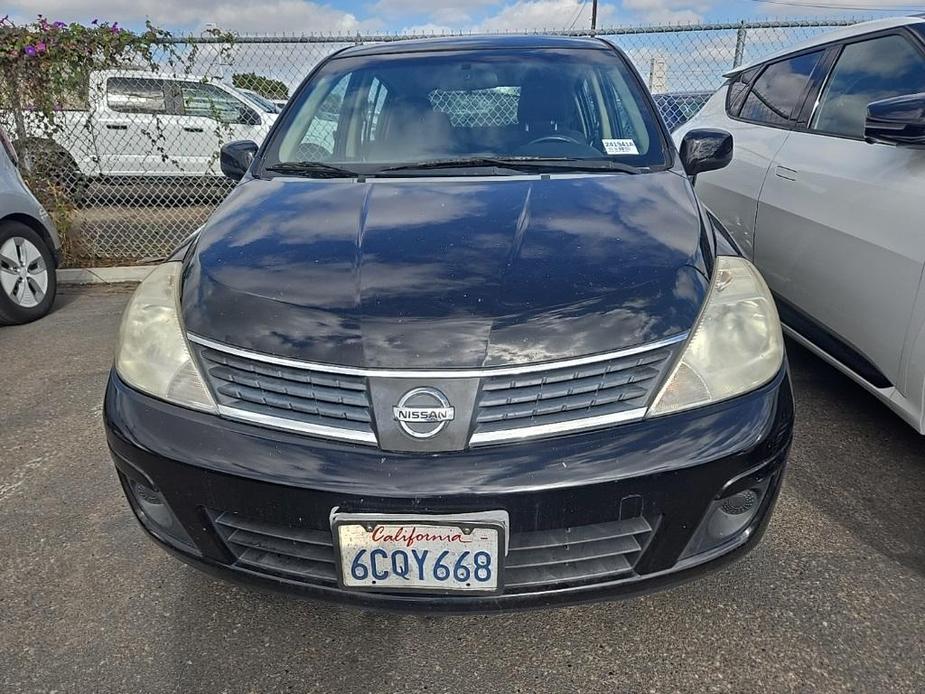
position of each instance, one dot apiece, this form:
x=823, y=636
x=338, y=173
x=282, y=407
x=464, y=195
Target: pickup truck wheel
x=75, y=183
x=61, y=169
x=27, y=275
x=52, y=163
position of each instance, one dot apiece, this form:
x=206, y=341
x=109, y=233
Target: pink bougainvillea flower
x=40, y=47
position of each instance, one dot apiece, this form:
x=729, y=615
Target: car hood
x=448, y=272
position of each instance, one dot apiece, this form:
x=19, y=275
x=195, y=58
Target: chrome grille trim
x=315, y=403
x=321, y=376
x=482, y=372
x=324, y=432
x=483, y=438
x=566, y=400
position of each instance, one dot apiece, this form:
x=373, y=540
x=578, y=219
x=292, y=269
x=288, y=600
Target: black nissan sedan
x=461, y=338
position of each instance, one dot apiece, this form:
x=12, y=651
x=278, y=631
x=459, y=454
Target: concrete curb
x=103, y=275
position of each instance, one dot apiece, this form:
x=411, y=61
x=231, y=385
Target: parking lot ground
x=832, y=600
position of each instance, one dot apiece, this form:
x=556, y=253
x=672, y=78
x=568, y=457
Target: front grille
x=538, y=560
x=503, y=403
x=547, y=398
x=304, y=399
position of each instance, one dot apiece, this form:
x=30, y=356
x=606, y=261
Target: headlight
x=735, y=347
x=152, y=354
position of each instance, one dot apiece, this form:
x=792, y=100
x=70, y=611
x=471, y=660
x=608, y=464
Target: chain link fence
x=138, y=150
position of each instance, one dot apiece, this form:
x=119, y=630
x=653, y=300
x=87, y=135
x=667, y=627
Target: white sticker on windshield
x=620, y=147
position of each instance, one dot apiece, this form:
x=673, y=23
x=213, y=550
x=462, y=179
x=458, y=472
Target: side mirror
x=705, y=149
x=897, y=121
x=236, y=158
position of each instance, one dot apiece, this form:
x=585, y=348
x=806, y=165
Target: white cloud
x=440, y=12
x=873, y=4
x=848, y=4
x=531, y=15
x=810, y=8
x=307, y=16
x=428, y=28
x=290, y=16
x=668, y=11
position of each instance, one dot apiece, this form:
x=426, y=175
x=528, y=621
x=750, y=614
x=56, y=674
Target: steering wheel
x=556, y=138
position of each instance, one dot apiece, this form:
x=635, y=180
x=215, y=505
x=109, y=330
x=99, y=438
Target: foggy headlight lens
x=736, y=345
x=152, y=354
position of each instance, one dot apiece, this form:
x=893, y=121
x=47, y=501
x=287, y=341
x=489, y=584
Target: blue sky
x=306, y=16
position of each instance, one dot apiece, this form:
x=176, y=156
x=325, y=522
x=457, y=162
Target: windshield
x=371, y=113
x=257, y=100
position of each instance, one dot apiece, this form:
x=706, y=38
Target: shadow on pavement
x=857, y=461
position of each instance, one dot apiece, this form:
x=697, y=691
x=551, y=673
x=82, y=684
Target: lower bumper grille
x=587, y=553
x=539, y=560
x=306, y=555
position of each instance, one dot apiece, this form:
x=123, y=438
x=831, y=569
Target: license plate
x=462, y=553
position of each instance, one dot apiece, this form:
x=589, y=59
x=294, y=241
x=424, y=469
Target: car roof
x=830, y=37
x=155, y=75
x=474, y=42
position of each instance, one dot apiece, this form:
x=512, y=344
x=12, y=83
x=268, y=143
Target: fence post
x=741, y=36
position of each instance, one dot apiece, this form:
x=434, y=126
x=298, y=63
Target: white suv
x=826, y=193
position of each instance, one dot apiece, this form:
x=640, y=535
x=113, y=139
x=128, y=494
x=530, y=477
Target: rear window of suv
x=777, y=93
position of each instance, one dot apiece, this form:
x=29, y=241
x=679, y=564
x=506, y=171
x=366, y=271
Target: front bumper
x=657, y=477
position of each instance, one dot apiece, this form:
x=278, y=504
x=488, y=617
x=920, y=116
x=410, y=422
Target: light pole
x=593, y=15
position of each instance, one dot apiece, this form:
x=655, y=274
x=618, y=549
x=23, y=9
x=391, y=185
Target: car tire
x=20, y=303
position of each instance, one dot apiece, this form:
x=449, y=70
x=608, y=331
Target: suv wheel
x=27, y=274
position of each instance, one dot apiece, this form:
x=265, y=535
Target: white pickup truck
x=144, y=124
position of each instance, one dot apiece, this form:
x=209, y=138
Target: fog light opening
x=156, y=515
x=739, y=503
x=729, y=516
x=152, y=504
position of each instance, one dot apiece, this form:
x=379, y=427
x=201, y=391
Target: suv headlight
x=736, y=345
x=152, y=354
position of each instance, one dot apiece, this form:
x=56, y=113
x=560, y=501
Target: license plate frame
x=490, y=520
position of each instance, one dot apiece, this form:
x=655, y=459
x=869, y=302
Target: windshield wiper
x=516, y=163
x=313, y=169
x=317, y=169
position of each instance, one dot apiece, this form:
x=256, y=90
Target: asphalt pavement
x=833, y=599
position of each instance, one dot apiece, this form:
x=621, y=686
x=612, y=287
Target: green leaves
x=265, y=86
x=46, y=68
x=46, y=65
